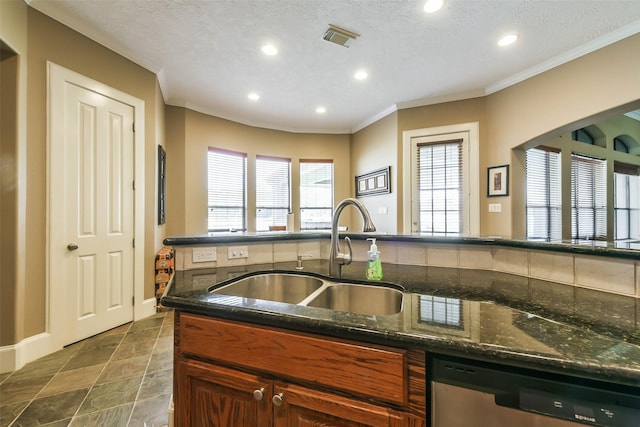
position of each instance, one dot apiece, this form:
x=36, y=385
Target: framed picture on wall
x=498, y=181
x=162, y=185
x=375, y=182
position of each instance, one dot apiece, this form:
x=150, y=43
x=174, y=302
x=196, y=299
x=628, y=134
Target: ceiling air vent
x=339, y=35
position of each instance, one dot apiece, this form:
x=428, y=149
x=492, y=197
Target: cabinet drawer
x=378, y=372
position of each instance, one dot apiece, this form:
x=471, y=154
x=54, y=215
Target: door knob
x=277, y=399
x=72, y=246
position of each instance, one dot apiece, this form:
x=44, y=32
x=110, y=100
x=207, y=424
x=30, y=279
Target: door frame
x=472, y=170
x=57, y=77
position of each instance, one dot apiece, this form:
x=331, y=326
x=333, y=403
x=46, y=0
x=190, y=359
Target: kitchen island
x=490, y=317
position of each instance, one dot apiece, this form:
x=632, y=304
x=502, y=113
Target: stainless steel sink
x=280, y=287
x=360, y=299
x=311, y=291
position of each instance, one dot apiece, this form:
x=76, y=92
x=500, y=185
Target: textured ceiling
x=207, y=55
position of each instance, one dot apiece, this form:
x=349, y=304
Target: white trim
x=473, y=182
x=56, y=77
x=14, y=357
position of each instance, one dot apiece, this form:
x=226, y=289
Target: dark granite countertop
x=491, y=316
x=626, y=250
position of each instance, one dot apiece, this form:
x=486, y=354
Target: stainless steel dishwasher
x=467, y=394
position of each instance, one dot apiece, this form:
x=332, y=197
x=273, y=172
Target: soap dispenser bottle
x=374, y=266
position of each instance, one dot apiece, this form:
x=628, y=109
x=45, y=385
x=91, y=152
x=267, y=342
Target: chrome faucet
x=336, y=258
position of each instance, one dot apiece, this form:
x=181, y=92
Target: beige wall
x=13, y=137
x=187, y=162
x=373, y=148
x=48, y=40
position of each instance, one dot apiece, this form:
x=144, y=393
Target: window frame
x=243, y=207
x=258, y=193
x=552, y=206
x=331, y=203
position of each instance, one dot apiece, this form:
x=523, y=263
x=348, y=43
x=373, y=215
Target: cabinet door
x=212, y=396
x=296, y=406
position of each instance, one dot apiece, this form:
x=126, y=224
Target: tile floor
x=123, y=377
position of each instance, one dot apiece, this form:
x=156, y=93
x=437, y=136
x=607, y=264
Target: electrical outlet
x=237, y=252
x=203, y=255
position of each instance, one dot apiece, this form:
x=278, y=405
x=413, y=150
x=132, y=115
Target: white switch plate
x=382, y=210
x=237, y=252
x=203, y=255
x=495, y=207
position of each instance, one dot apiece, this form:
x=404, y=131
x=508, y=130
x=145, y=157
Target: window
x=588, y=198
x=316, y=194
x=544, y=202
x=583, y=135
x=273, y=200
x=439, y=186
x=626, y=201
x=227, y=182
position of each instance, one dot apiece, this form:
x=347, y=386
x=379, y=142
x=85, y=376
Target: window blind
x=626, y=201
x=544, y=201
x=316, y=194
x=273, y=200
x=227, y=178
x=588, y=198
x=439, y=184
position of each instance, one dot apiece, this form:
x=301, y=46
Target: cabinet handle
x=277, y=399
x=258, y=394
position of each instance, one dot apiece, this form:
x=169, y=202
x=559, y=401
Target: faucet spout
x=336, y=258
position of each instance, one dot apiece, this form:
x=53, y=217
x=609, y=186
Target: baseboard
x=147, y=309
x=14, y=357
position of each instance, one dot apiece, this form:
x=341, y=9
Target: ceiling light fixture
x=433, y=5
x=254, y=96
x=321, y=110
x=508, y=39
x=269, y=49
x=360, y=75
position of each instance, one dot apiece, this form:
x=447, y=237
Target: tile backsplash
x=614, y=275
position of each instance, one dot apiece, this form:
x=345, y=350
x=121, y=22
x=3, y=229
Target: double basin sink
x=319, y=292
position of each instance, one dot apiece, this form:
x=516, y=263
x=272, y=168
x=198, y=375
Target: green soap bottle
x=374, y=266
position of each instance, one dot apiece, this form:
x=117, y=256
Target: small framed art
x=498, y=181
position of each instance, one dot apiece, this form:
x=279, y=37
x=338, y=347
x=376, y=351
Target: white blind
x=227, y=178
x=439, y=185
x=588, y=198
x=272, y=192
x=626, y=202
x=544, y=202
x=316, y=194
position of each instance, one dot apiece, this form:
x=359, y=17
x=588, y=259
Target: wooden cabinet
x=236, y=374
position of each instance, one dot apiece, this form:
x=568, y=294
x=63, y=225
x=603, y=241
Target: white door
x=97, y=212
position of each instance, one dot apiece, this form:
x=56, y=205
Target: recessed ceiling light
x=254, y=96
x=433, y=5
x=321, y=110
x=507, y=40
x=360, y=75
x=269, y=49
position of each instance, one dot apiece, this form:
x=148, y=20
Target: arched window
x=582, y=135
x=620, y=145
